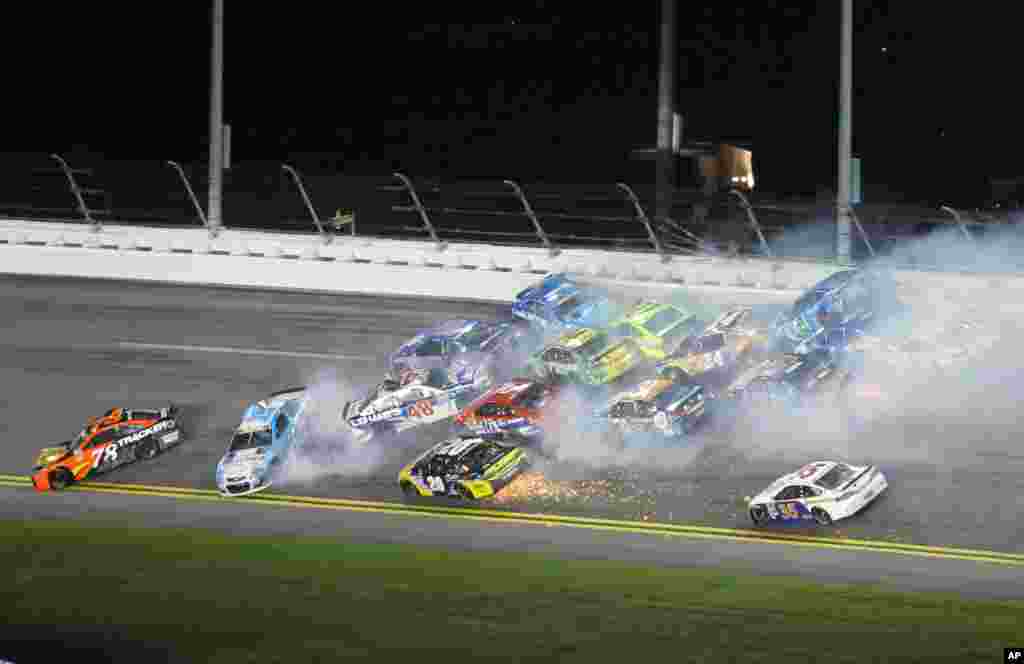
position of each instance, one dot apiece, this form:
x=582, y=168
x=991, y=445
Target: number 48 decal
x=422, y=408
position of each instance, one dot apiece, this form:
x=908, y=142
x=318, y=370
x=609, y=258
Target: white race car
x=396, y=406
x=823, y=492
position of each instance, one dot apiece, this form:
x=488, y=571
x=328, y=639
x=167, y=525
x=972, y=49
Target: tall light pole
x=666, y=109
x=216, y=117
x=842, y=240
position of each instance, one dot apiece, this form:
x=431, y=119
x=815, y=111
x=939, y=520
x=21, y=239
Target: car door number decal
x=436, y=484
x=788, y=511
x=422, y=408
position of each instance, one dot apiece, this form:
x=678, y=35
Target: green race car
x=585, y=356
x=655, y=328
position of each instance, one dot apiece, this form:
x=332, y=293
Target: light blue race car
x=261, y=443
x=559, y=304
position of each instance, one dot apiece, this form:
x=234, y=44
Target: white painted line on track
x=237, y=351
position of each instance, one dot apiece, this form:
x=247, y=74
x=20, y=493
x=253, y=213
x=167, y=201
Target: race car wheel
x=759, y=515
x=821, y=517
x=463, y=492
x=61, y=479
x=408, y=490
x=147, y=449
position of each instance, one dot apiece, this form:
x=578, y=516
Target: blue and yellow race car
x=469, y=466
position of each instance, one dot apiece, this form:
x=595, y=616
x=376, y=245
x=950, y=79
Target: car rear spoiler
x=300, y=388
x=856, y=479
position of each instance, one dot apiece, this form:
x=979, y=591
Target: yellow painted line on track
x=497, y=516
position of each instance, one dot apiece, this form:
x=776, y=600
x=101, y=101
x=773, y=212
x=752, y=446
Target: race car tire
x=408, y=490
x=759, y=515
x=463, y=492
x=60, y=478
x=821, y=517
x=147, y=449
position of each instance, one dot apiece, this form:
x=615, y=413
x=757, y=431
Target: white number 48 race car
x=823, y=492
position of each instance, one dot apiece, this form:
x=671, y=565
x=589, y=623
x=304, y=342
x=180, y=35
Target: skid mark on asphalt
x=130, y=345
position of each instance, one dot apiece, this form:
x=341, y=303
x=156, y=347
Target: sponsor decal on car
x=111, y=451
x=139, y=435
x=375, y=417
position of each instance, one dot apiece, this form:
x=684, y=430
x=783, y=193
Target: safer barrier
x=347, y=264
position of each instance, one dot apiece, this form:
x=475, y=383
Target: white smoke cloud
x=957, y=416
x=327, y=448
x=577, y=444
x=966, y=415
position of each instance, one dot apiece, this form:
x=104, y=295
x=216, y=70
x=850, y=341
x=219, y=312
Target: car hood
x=49, y=455
x=244, y=461
x=619, y=350
x=692, y=363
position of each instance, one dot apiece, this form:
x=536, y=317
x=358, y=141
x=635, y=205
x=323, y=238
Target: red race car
x=519, y=407
x=121, y=436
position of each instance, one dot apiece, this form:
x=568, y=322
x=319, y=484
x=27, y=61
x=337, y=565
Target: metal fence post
x=753, y=220
x=554, y=251
x=642, y=216
x=959, y=221
x=191, y=194
x=422, y=211
x=309, y=206
x=860, y=229
x=82, y=207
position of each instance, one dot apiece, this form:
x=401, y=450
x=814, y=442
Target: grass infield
x=129, y=593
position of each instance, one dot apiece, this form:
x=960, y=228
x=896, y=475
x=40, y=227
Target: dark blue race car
x=832, y=311
x=471, y=351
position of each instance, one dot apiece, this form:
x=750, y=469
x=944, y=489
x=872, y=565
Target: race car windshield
x=566, y=307
x=251, y=440
x=838, y=475
x=663, y=320
x=799, y=329
x=473, y=337
x=477, y=459
x=530, y=397
x=430, y=347
x=594, y=347
x=709, y=343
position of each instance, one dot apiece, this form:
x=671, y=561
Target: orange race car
x=121, y=436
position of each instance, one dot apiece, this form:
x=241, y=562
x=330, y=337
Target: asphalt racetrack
x=74, y=348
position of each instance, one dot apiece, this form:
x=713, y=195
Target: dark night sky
x=528, y=89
